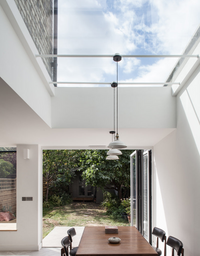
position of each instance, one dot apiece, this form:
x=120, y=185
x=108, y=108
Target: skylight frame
x=164, y=84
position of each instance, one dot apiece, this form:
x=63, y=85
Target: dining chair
x=65, y=250
x=176, y=245
x=160, y=234
x=72, y=232
x=65, y=242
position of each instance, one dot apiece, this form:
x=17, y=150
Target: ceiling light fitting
x=112, y=157
x=116, y=144
x=114, y=151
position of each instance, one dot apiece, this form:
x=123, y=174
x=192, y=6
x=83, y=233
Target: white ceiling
x=19, y=124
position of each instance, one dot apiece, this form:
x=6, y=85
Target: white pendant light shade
x=117, y=144
x=112, y=157
x=114, y=151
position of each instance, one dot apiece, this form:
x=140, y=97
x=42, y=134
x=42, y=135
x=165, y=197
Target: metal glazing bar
x=79, y=83
x=111, y=56
x=120, y=83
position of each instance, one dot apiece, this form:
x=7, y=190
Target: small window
x=8, y=188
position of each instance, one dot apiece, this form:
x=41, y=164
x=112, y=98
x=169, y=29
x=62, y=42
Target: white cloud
x=157, y=72
x=130, y=65
x=126, y=27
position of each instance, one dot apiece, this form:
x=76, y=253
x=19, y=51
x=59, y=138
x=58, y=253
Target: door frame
x=139, y=189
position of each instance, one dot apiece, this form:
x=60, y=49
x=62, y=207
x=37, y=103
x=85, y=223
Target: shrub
x=126, y=204
x=113, y=206
x=46, y=204
x=110, y=201
x=66, y=199
x=56, y=200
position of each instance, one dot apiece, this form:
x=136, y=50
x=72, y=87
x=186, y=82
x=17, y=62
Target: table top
x=94, y=242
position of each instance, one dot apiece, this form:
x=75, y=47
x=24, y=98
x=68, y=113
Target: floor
x=42, y=252
x=51, y=243
x=54, y=237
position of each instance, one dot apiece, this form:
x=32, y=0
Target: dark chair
x=65, y=250
x=72, y=232
x=65, y=242
x=162, y=236
x=176, y=245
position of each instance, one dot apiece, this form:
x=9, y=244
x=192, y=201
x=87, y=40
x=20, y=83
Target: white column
x=29, y=213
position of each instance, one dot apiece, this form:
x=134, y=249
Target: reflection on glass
x=145, y=198
x=134, y=191
x=8, y=185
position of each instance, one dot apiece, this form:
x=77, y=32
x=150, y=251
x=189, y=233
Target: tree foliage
x=6, y=168
x=59, y=168
x=97, y=171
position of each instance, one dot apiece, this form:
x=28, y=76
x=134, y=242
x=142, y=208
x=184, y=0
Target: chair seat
x=159, y=252
x=73, y=251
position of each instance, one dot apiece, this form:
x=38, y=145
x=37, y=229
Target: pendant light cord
x=117, y=104
x=114, y=112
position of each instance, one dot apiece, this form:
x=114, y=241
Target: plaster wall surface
x=18, y=70
x=93, y=108
x=29, y=213
x=177, y=171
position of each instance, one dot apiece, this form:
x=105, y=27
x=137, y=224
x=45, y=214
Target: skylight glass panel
x=140, y=27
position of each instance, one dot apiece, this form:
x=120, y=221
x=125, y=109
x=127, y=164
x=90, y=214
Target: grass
x=78, y=214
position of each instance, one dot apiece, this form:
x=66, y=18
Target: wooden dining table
x=94, y=242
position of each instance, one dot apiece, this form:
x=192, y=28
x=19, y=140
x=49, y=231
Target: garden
x=60, y=167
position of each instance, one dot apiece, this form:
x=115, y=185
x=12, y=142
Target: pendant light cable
x=117, y=106
x=116, y=144
x=114, y=88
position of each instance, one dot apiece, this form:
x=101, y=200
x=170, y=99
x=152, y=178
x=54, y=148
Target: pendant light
x=116, y=144
x=113, y=151
x=112, y=157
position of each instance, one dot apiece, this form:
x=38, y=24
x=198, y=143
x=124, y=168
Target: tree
x=6, y=168
x=59, y=168
x=97, y=171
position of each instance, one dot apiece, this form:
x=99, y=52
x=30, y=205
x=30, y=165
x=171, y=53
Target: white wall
x=29, y=213
x=177, y=172
x=93, y=108
x=18, y=63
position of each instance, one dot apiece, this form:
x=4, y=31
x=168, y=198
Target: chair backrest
x=160, y=235
x=65, y=242
x=176, y=245
x=71, y=232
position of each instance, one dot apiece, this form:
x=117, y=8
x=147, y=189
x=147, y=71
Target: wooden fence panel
x=8, y=195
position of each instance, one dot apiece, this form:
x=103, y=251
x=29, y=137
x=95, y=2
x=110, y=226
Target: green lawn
x=78, y=214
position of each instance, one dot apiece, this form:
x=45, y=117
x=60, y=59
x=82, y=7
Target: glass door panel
x=147, y=194
x=145, y=188
x=140, y=175
x=133, y=184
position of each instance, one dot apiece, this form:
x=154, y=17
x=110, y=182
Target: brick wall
x=37, y=15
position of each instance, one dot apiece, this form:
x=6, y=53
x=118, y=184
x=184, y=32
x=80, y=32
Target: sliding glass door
x=140, y=173
x=147, y=197
x=133, y=185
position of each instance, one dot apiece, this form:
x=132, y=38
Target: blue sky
x=125, y=27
